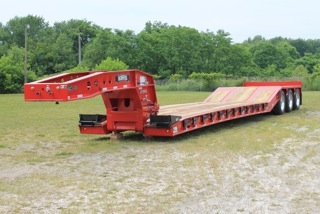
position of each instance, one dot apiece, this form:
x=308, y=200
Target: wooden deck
x=221, y=99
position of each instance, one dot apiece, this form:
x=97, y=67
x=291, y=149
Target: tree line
x=166, y=51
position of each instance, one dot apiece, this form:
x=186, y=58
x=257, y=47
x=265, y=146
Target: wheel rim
x=282, y=102
x=297, y=99
x=290, y=100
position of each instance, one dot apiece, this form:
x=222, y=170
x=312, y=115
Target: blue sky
x=241, y=18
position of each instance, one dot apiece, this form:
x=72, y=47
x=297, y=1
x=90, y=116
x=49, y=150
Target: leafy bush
x=80, y=67
x=110, y=64
x=312, y=82
x=196, y=85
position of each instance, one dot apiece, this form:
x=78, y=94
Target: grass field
x=261, y=164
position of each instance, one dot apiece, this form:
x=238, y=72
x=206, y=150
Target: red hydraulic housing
x=131, y=103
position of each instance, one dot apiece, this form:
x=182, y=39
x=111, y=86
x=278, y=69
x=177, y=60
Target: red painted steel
x=129, y=96
x=131, y=103
x=288, y=84
x=226, y=103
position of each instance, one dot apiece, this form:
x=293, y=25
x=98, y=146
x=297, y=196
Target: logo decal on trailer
x=175, y=129
x=122, y=77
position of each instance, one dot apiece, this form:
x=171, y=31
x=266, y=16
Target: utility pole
x=26, y=52
x=79, y=42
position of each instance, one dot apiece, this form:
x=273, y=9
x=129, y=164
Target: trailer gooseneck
x=131, y=102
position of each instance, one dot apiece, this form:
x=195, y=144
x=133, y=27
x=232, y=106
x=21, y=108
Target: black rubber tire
x=289, y=101
x=296, y=100
x=280, y=107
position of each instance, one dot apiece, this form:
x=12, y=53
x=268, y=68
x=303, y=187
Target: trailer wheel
x=296, y=100
x=279, y=108
x=289, y=101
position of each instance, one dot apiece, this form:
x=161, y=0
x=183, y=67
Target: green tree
x=256, y=40
x=215, y=52
x=309, y=61
x=98, y=48
x=222, y=43
x=148, y=44
x=41, y=54
x=288, y=51
x=123, y=46
x=12, y=71
x=265, y=54
x=16, y=27
x=238, y=61
x=306, y=46
x=180, y=47
x=110, y=64
x=53, y=53
x=75, y=29
x=4, y=45
x=206, y=51
x=79, y=67
x=300, y=71
x=63, y=54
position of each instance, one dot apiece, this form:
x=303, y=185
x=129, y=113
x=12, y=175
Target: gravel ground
x=161, y=178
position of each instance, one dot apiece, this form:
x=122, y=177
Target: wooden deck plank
x=197, y=109
x=221, y=99
x=241, y=94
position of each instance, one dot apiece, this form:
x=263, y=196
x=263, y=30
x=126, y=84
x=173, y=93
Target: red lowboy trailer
x=131, y=102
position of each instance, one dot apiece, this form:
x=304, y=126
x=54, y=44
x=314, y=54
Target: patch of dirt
x=286, y=181
x=163, y=179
